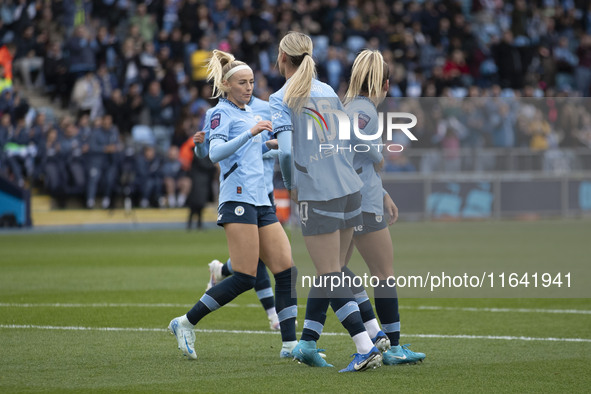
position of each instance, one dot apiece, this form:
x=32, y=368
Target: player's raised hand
x=261, y=126
x=199, y=137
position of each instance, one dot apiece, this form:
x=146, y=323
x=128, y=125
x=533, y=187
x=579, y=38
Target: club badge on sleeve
x=215, y=121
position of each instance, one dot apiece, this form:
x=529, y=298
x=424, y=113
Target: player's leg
x=377, y=251
x=275, y=251
x=378, y=337
x=323, y=250
x=218, y=271
x=345, y=307
x=242, y=241
x=265, y=295
x=327, y=238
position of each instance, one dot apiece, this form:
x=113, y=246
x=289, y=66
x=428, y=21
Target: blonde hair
x=298, y=47
x=369, y=74
x=217, y=68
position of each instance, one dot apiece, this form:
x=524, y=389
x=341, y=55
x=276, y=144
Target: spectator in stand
x=135, y=105
x=510, y=63
x=129, y=65
x=87, y=96
x=161, y=110
x=29, y=56
x=107, y=81
x=176, y=180
x=149, y=63
x=149, y=178
x=199, y=60
x=81, y=50
x=53, y=166
x=6, y=130
x=146, y=22
x=5, y=83
x=72, y=149
x=55, y=73
x=203, y=177
x=7, y=53
x=456, y=71
x=20, y=152
x=102, y=161
x=539, y=130
x=84, y=131
x=583, y=70
x=117, y=106
x=108, y=46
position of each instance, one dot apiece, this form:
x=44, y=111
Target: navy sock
x=220, y=295
x=361, y=297
x=386, y=300
x=316, y=308
x=227, y=268
x=286, y=302
x=263, y=287
x=344, y=305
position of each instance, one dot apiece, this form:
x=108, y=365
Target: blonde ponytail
x=369, y=74
x=298, y=47
x=217, y=70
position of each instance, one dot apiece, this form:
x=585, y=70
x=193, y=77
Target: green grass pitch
x=88, y=311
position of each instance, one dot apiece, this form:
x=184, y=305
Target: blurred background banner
x=15, y=205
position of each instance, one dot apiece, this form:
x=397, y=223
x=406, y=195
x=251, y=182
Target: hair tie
x=305, y=54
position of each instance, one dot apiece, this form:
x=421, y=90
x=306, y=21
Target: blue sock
x=227, y=268
x=386, y=300
x=220, y=295
x=263, y=287
x=361, y=297
x=316, y=308
x=344, y=306
x=286, y=302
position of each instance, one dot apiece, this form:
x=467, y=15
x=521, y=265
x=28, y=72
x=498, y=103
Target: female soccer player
x=217, y=270
x=327, y=189
x=367, y=89
x=245, y=212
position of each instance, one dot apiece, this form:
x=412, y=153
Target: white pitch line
x=231, y=305
x=211, y=331
x=503, y=310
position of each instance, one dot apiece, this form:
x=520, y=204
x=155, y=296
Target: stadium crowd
x=132, y=75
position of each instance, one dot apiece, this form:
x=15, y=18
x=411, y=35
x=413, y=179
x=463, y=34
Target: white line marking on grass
x=231, y=305
x=503, y=310
x=212, y=331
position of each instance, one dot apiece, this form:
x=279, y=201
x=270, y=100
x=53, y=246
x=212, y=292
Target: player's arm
x=220, y=147
x=364, y=124
x=271, y=154
x=390, y=208
x=201, y=144
x=201, y=138
x=282, y=129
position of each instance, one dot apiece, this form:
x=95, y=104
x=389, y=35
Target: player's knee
x=244, y=282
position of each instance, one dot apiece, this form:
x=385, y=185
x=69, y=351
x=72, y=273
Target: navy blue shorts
x=239, y=212
x=325, y=217
x=371, y=223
